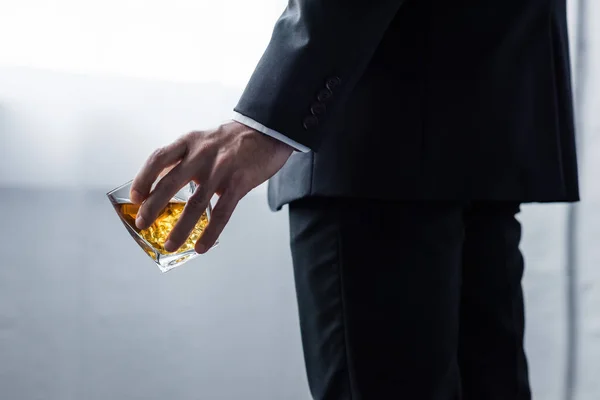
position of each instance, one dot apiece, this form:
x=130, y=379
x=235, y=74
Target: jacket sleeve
x=318, y=51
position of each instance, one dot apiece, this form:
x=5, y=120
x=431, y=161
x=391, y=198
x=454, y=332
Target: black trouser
x=410, y=300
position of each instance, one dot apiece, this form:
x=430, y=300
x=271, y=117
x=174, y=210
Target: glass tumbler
x=152, y=239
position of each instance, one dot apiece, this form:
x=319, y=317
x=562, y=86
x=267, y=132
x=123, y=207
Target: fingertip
x=200, y=248
x=140, y=222
x=136, y=197
x=170, y=246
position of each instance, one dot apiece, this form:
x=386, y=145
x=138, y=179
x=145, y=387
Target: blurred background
x=87, y=90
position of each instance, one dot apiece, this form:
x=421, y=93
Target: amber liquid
x=158, y=232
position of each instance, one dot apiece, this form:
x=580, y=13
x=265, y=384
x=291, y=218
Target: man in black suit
x=404, y=135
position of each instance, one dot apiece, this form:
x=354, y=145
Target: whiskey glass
x=152, y=239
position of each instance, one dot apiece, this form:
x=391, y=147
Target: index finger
x=160, y=159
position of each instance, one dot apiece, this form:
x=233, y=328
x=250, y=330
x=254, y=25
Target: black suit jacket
x=420, y=100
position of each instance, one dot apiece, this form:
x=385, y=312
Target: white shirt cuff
x=242, y=119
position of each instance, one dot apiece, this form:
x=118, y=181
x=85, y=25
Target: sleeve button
x=333, y=82
x=310, y=122
x=324, y=95
x=318, y=109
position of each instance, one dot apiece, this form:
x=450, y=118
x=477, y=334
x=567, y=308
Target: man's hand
x=229, y=161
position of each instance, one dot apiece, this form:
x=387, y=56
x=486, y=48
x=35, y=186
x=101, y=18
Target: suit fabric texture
x=420, y=100
x=430, y=122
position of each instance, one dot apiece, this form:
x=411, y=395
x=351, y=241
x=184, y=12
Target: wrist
x=271, y=142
